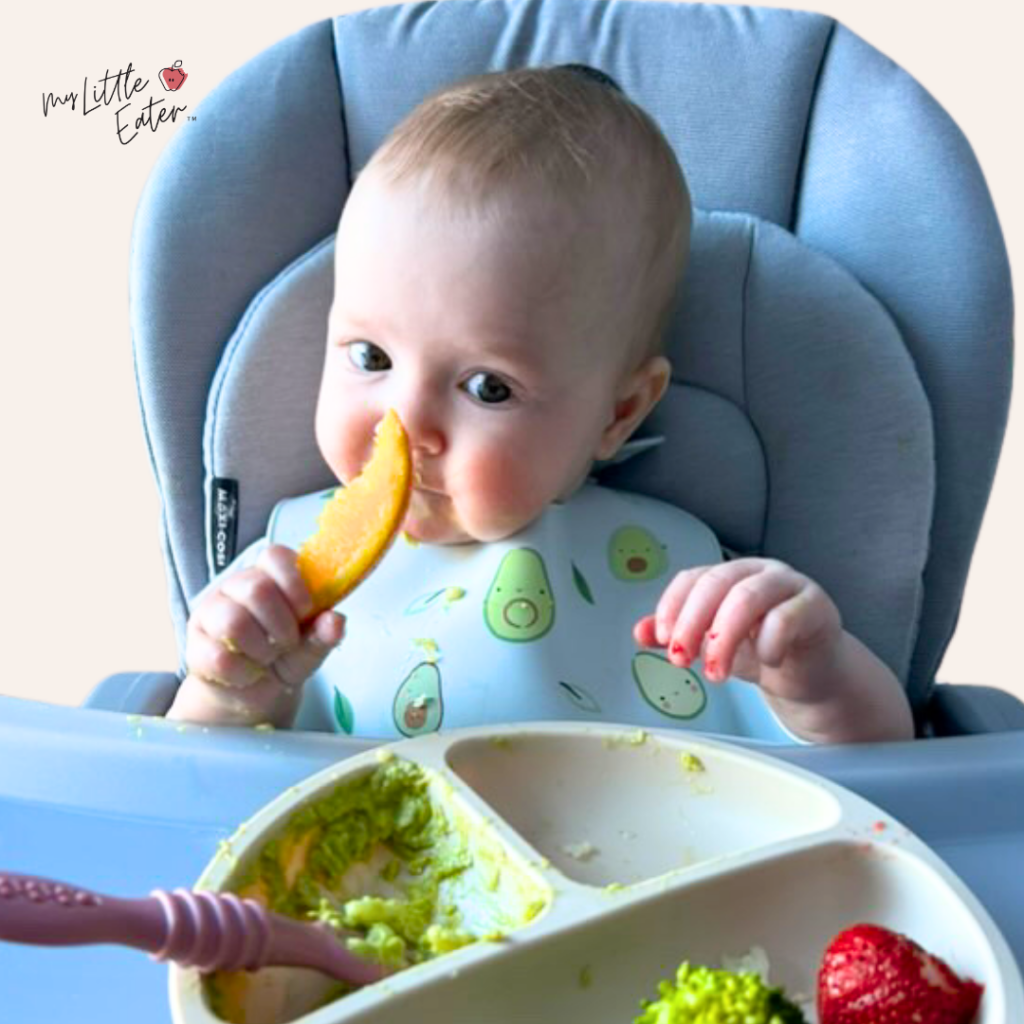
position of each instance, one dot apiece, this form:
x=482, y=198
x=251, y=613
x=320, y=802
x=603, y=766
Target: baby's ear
x=637, y=396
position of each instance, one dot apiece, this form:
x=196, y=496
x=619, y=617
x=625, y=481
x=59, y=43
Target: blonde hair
x=560, y=131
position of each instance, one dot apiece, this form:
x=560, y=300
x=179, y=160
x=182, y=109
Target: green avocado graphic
x=519, y=604
x=676, y=692
x=418, y=708
x=634, y=553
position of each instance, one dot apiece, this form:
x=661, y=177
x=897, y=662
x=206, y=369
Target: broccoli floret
x=703, y=995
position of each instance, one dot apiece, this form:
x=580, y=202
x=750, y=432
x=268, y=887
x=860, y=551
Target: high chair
x=842, y=361
x=842, y=352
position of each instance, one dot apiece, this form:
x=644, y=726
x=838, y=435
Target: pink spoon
x=209, y=930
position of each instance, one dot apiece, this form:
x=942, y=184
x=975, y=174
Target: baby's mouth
x=424, y=504
x=430, y=517
x=420, y=487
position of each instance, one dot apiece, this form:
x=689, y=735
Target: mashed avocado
x=393, y=863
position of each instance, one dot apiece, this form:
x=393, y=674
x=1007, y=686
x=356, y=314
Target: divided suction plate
x=645, y=861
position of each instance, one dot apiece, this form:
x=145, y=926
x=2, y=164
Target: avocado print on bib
x=676, y=692
x=519, y=605
x=634, y=554
x=418, y=708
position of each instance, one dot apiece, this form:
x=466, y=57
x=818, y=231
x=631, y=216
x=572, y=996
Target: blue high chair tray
x=125, y=804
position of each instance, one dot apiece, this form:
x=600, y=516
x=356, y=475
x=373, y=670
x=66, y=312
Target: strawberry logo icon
x=173, y=78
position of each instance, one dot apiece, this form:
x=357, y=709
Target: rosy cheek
x=497, y=496
x=345, y=440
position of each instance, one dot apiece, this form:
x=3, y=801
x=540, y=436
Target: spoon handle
x=207, y=930
x=48, y=913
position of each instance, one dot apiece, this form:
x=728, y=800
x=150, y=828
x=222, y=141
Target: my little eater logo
x=121, y=88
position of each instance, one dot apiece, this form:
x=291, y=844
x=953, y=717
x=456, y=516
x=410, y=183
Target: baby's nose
x=426, y=435
x=428, y=443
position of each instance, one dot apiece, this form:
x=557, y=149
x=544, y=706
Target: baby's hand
x=754, y=618
x=248, y=648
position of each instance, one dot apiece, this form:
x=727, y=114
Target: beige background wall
x=83, y=581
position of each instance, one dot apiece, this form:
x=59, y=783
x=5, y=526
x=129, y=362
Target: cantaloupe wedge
x=358, y=524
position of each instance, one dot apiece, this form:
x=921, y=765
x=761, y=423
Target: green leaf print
x=581, y=584
x=343, y=712
x=580, y=697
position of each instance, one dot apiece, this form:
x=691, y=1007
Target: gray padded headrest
x=796, y=425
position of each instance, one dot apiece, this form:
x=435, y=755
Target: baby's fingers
x=281, y=565
x=809, y=615
x=740, y=613
x=672, y=602
x=262, y=597
x=322, y=635
x=212, y=659
x=644, y=632
x=702, y=597
x=225, y=616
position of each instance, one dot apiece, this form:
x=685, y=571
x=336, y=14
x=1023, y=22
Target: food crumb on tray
x=580, y=851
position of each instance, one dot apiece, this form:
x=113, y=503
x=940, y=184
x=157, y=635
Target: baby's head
x=505, y=268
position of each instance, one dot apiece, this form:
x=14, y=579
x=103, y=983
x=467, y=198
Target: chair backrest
x=842, y=352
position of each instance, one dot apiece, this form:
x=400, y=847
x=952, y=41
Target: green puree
x=392, y=861
x=704, y=995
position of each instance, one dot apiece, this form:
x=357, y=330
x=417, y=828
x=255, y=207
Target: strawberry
x=870, y=975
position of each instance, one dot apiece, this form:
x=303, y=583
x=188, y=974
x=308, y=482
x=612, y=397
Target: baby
x=506, y=266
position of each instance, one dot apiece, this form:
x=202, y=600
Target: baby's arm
x=248, y=649
x=762, y=621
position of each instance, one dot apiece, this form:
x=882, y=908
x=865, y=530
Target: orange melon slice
x=358, y=524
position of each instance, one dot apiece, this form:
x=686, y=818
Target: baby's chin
x=430, y=520
x=434, y=527
x=434, y=531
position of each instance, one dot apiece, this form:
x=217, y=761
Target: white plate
x=749, y=852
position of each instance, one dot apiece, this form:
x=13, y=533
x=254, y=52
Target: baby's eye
x=487, y=388
x=364, y=355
